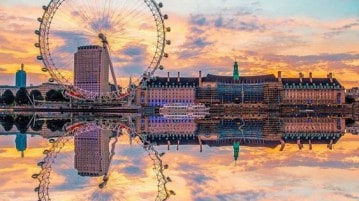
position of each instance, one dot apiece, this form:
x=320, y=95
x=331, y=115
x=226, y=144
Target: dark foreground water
x=153, y=158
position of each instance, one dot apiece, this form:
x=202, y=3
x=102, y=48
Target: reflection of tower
x=235, y=71
x=92, y=155
x=92, y=69
x=20, y=77
x=21, y=143
x=235, y=150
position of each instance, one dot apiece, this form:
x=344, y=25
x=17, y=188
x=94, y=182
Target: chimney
x=311, y=77
x=301, y=77
x=168, y=76
x=200, y=78
x=279, y=76
x=178, y=77
x=330, y=76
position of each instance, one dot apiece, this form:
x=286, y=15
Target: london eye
x=101, y=49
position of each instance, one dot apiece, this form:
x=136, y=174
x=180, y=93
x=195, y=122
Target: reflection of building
x=353, y=129
x=21, y=143
x=157, y=125
x=20, y=77
x=321, y=91
x=92, y=155
x=353, y=92
x=313, y=130
x=92, y=69
x=162, y=91
x=267, y=132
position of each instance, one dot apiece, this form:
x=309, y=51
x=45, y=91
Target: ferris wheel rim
x=50, y=66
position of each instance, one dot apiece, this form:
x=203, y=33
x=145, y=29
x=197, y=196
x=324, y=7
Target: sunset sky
x=263, y=35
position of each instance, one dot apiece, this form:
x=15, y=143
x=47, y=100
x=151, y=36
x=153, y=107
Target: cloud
x=243, y=195
x=132, y=170
x=199, y=20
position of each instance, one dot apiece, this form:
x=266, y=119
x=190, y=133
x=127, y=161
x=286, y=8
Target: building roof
x=320, y=83
x=163, y=81
x=242, y=79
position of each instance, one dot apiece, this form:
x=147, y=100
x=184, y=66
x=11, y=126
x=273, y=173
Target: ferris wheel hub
x=103, y=38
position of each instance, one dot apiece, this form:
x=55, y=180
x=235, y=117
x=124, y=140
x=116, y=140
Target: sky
x=264, y=36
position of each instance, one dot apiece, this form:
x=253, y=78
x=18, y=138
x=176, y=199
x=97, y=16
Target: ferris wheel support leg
x=111, y=68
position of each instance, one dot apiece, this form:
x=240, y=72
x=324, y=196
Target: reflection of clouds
x=266, y=174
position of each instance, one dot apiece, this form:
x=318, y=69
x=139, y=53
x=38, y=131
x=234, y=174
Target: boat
x=178, y=110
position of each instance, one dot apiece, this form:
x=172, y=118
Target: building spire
x=22, y=66
x=235, y=70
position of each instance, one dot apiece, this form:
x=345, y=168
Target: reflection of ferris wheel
x=129, y=36
x=108, y=185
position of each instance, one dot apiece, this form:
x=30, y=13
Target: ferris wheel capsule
x=44, y=8
x=165, y=17
x=161, y=67
x=44, y=69
x=51, y=79
x=160, y=4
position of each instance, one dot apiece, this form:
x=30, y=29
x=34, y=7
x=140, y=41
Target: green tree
x=22, y=96
x=8, y=97
x=36, y=95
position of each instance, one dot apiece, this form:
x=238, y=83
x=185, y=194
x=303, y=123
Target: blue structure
x=20, y=77
x=21, y=143
x=235, y=71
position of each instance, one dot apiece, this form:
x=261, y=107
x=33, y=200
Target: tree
x=55, y=125
x=22, y=96
x=49, y=95
x=349, y=100
x=54, y=95
x=36, y=95
x=8, y=97
x=22, y=123
x=7, y=122
x=37, y=125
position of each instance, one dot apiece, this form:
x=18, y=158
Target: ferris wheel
x=102, y=49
